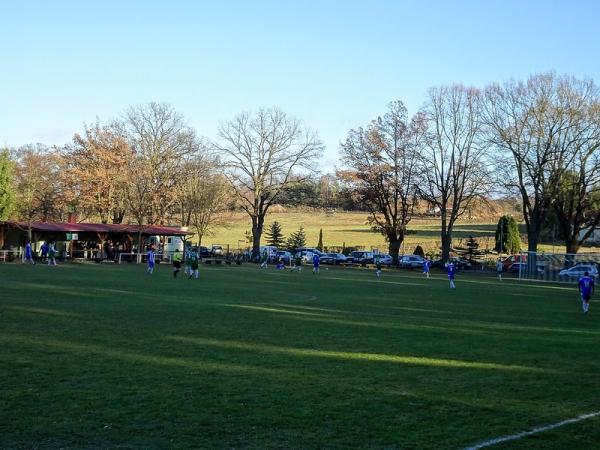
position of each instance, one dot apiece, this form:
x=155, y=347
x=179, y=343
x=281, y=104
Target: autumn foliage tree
x=380, y=165
x=98, y=164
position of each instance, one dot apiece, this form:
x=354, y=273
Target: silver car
x=579, y=270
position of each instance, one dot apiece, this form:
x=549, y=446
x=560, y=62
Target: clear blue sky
x=333, y=64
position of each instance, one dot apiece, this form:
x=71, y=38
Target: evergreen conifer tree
x=274, y=235
x=508, y=238
x=297, y=239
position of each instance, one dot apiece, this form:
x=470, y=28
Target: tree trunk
x=446, y=236
x=257, y=229
x=532, y=240
x=572, y=244
x=446, y=245
x=533, y=237
x=394, y=247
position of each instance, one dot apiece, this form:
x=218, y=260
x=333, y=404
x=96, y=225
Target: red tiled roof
x=98, y=228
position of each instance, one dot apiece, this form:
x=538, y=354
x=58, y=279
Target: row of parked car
x=358, y=257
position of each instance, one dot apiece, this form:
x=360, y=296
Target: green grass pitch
x=101, y=357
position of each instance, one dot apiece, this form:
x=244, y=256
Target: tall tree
x=162, y=143
x=262, y=152
x=138, y=192
x=6, y=188
x=576, y=201
x=297, y=239
x=508, y=238
x=452, y=159
x=320, y=243
x=274, y=235
x=98, y=167
x=203, y=197
x=381, y=168
x=39, y=191
x=527, y=123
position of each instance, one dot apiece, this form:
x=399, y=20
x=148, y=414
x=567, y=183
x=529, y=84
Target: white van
x=169, y=246
x=271, y=251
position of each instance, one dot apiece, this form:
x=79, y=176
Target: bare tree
x=162, y=142
x=138, y=192
x=381, y=166
x=452, y=159
x=527, y=125
x=261, y=153
x=576, y=201
x=204, y=197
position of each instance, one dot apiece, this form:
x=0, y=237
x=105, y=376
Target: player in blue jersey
x=586, y=289
x=28, y=254
x=450, y=270
x=426, y=267
x=316, y=262
x=150, y=256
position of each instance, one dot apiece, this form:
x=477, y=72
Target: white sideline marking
x=514, y=437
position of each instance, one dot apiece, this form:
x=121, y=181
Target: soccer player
x=426, y=266
x=52, y=254
x=44, y=249
x=176, y=262
x=264, y=260
x=188, y=267
x=316, y=262
x=586, y=289
x=150, y=256
x=378, y=267
x=298, y=262
x=499, y=268
x=450, y=270
x=28, y=254
x=193, y=258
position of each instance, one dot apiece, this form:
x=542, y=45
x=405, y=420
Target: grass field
x=100, y=357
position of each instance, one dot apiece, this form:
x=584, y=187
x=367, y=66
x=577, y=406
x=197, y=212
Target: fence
x=556, y=267
x=9, y=255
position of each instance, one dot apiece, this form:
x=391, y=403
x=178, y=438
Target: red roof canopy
x=98, y=228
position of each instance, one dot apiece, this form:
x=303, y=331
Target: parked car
x=521, y=267
x=325, y=258
x=216, y=250
x=286, y=257
x=411, y=261
x=513, y=259
x=361, y=257
x=307, y=255
x=384, y=259
x=517, y=267
x=204, y=252
x=337, y=258
x=460, y=264
x=578, y=271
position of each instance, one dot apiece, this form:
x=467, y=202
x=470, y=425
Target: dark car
x=325, y=258
x=460, y=264
x=521, y=267
x=204, y=252
x=336, y=258
x=411, y=261
x=361, y=257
